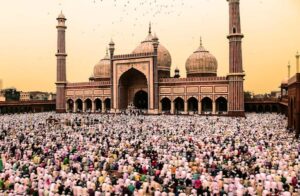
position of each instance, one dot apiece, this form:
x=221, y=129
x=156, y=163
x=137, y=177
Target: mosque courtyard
x=97, y=154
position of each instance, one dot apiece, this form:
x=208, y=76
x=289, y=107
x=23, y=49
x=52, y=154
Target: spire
x=201, y=42
x=149, y=36
x=106, y=54
x=61, y=16
x=289, y=70
x=201, y=48
x=150, y=30
x=111, y=42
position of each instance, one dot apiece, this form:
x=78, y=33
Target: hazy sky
x=28, y=36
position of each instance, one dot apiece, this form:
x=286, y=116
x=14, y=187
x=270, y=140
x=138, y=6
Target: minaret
x=111, y=51
x=236, y=72
x=177, y=74
x=61, y=78
x=297, y=62
x=289, y=70
x=155, y=43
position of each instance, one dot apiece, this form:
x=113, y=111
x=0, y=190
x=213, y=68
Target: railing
x=193, y=79
x=267, y=100
x=137, y=55
x=88, y=84
x=29, y=102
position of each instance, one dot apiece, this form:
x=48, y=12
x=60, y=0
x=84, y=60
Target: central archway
x=141, y=100
x=133, y=89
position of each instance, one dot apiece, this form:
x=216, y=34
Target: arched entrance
x=221, y=105
x=275, y=108
x=165, y=104
x=88, y=105
x=98, y=105
x=70, y=105
x=79, y=105
x=206, y=104
x=268, y=109
x=131, y=83
x=193, y=104
x=141, y=100
x=179, y=105
x=107, y=104
x=260, y=109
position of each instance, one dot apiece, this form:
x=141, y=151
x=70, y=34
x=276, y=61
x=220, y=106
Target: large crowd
x=92, y=154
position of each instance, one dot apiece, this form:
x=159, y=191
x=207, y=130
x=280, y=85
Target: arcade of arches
x=140, y=100
x=191, y=105
x=88, y=105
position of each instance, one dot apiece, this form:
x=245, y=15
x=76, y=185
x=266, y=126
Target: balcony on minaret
x=61, y=19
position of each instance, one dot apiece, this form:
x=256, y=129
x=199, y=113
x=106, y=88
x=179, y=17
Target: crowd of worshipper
x=96, y=154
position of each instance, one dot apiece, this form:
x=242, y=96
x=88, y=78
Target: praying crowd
x=95, y=154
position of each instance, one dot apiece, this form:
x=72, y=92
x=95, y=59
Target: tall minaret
x=113, y=104
x=155, y=43
x=297, y=62
x=236, y=72
x=61, y=78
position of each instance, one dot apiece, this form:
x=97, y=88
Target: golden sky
x=28, y=36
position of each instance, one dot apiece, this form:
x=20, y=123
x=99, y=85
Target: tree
x=247, y=95
x=11, y=94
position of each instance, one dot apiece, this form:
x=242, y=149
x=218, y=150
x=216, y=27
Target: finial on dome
x=150, y=30
x=201, y=48
x=201, y=42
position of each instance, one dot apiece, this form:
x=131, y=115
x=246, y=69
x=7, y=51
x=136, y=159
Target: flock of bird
x=144, y=8
x=137, y=13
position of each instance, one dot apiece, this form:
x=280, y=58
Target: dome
x=61, y=16
x=164, y=59
x=201, y=63
x=102, y=68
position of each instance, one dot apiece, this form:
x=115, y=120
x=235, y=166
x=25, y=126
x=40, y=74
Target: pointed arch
x=79, y=105
x=107, y=103
x=193, y=104
x=70, y=105
x=179, y=105
x=206, y=104
x=221, y=105
x=98, y=105
x=88, y=105
x=166, y=104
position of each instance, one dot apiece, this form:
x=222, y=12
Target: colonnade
x=87, y=106
x=204, y=106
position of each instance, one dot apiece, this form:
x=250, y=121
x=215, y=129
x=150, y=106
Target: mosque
x=142, y=79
